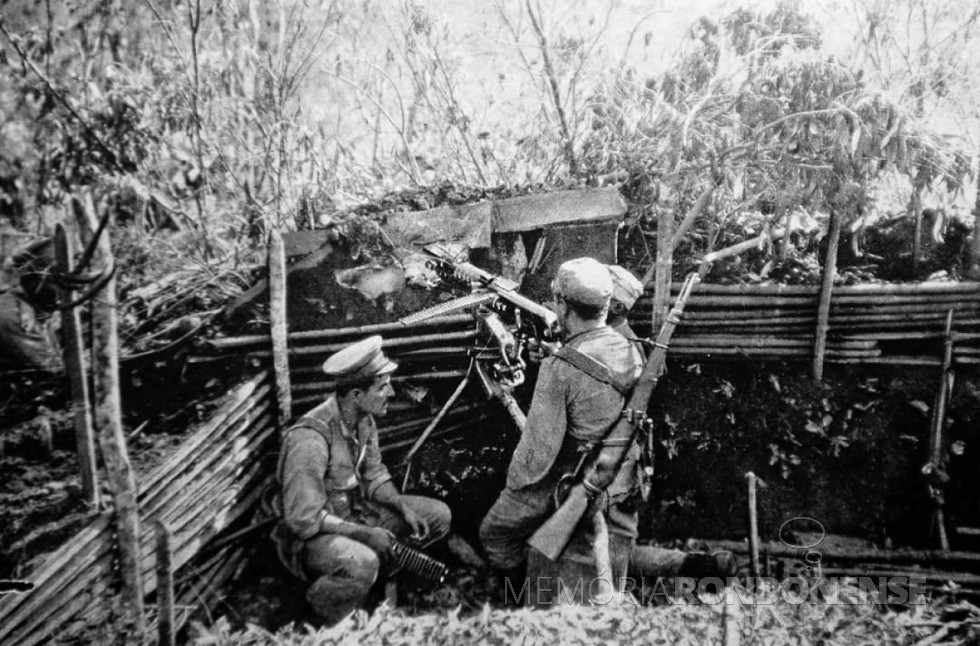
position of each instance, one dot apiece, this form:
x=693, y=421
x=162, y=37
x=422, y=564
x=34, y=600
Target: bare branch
x=415, y=173
x=555, y=93
x=168, y=30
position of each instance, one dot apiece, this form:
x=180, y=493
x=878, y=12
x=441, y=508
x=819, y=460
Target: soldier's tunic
x=327, y=470
x=569, y=410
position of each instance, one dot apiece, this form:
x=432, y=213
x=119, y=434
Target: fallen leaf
x=920, y=406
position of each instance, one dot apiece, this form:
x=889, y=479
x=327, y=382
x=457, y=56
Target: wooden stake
x=936, y=462
x=165, y=586
x=75, y=365
x=108, y=417
x=753, y=527
x=279, y=328
x=432, y=425
x=826, y=290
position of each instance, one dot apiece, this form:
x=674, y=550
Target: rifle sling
x=594, y=369
x=600, y=373
x=310, y=422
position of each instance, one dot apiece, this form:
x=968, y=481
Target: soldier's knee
x=498, y=546
x=442, y=519
x=487, y=531
x=364, y=566
x=343, y=558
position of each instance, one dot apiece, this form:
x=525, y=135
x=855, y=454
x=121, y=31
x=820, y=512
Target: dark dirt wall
x=847, y=452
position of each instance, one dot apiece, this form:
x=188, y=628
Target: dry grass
x=680, y=623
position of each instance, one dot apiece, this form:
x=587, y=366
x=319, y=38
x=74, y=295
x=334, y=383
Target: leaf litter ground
x=754, y=621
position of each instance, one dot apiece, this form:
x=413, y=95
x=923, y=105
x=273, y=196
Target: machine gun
x=499, y=294
x=510, y=318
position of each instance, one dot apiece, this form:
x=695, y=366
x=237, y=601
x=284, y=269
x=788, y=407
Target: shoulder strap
x=312, y=423
x=593, y=368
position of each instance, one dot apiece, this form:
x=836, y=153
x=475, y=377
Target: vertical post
x=165, y=586
x=935, y=469
x=75, y=365
x=663, y=268
x=753, y=527
x=108, y=418
x=280, y=328
x=826, y=292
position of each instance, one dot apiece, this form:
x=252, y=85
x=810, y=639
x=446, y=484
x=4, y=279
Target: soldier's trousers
x=512, y=520
x=518, y=513
x=343, y=570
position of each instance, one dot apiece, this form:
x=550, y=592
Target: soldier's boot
x=333, y=598
x=649, y=562
x=702, y=564
x=509, y=587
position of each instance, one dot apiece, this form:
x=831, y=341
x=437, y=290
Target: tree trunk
x=165, y=586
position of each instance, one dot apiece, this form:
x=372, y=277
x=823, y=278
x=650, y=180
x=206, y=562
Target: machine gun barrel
x=506, y=289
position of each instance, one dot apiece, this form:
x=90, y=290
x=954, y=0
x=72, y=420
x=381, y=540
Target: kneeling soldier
x=340, y=511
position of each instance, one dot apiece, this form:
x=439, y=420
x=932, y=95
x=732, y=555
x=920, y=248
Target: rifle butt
x=554, y=535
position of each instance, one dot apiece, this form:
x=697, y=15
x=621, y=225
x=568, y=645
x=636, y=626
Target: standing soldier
x=340, y=511
x=627, y=288
x=579, y=394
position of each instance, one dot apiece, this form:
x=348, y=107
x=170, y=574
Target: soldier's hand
x=538, y=351
x=420, y=528
x=380, y=540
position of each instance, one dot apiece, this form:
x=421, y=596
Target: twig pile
x=164, y=313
